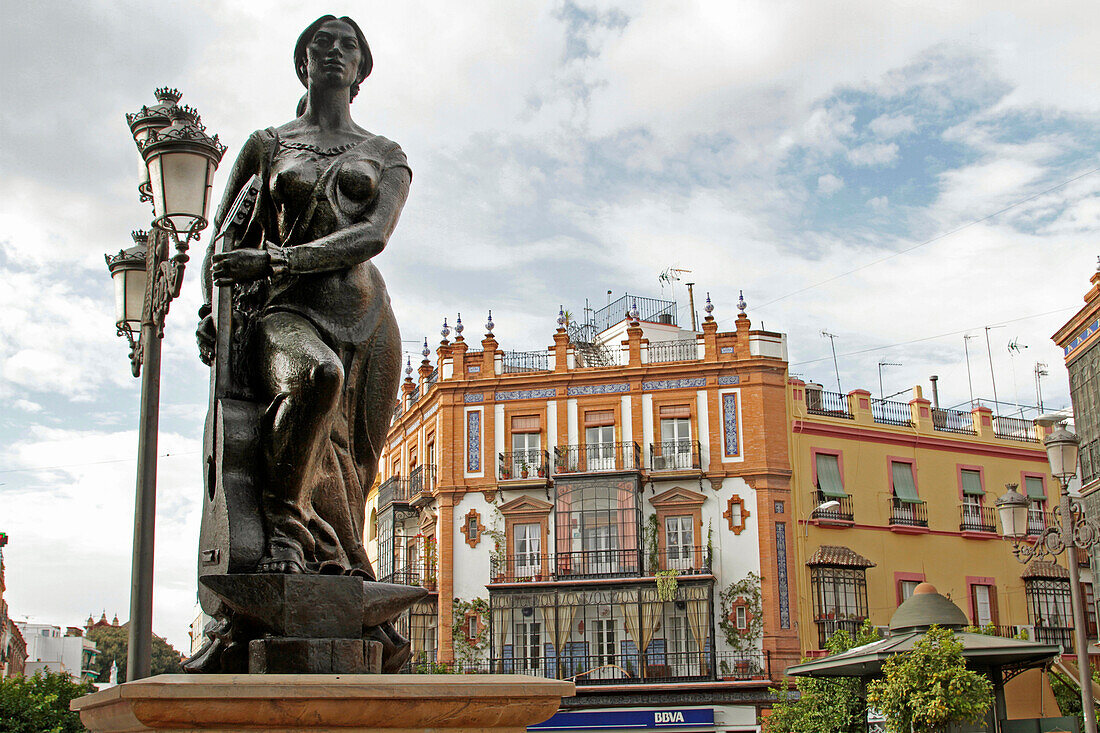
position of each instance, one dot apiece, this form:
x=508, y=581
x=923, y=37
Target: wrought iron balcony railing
x=521, y=362
x=830, y=404
x=594, y=457
x=953, y=421
x=976, y=518
x=1014, y=428
x=522, y=464
x=826, y=627
x=886, y=412
x=908, y=514
x=674, y=455
x=666, y=351
x=586, y=564
x=843, y=513
x=421, y=480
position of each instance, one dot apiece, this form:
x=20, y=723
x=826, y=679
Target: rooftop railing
x=953, y=421
x=668, y=351
x=830, y=404
x=521, y=362
x=1015, y=428
x=886, y=412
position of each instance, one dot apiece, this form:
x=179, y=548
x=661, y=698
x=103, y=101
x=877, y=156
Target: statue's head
x=333, y=51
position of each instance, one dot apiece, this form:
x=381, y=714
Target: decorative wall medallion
x=585, y=389
x=475, y=397
x=473, y=441
x=728, y=380
x=472, y=528
x=730, y=443
x=674, y=383
x=781, y=574
x=736, y=514
x=525, y=394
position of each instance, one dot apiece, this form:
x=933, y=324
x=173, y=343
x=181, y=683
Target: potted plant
x=524, y=469
x=541, y=470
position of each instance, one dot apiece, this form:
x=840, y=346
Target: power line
x=931, y=338
x=929, y=241
x=93, y=463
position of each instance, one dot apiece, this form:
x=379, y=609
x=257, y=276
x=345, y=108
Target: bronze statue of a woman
x=315, y=345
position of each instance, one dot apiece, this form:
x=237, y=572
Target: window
x=1090, y=610
x=906, y=507
x=840, y=599
x=983, y=605
x=471, y=530
x=527, y=547
x=679, y=542
x=526, y=444
x=675, y=446
x=605, y=641
x=1036, y=511
x=906, y=588
x=829, y=481
x=742, y=618
x=598, y=526
x=1048, y=608
x=683, y=652
x=528, y=646
x=1084, y=388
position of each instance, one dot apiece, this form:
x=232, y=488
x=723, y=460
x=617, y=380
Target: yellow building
x=890, y=494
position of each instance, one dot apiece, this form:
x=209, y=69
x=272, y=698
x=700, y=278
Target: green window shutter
x=904, y=486
x=828, y=476
x=972, y=483
x=1035, y=488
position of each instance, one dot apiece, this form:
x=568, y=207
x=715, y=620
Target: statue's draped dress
x=332, y=292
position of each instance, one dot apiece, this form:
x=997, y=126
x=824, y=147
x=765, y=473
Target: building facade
x=48, y=647
x=613, y=510
x=13, y=648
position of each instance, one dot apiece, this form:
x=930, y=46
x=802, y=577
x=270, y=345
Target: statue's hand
x=240, y=266
x=205, y=334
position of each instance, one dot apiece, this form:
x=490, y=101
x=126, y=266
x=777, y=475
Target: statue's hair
x=366, y=63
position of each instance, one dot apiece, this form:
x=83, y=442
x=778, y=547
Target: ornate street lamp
x=179, y=160
x=1069, y=530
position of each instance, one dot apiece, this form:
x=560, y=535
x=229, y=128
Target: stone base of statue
x=314, y=702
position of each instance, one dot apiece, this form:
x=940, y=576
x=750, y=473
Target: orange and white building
x=614, y=509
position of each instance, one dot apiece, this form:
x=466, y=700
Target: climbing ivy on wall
x=469, y=649
x=747, y=592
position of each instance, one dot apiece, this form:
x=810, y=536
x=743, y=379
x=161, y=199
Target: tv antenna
x=836, y=368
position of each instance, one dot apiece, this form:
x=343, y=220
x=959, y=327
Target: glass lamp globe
x=1062, y=447
x=181, y=159
x=1012, y=508
x=146, y=121
x=127, y=269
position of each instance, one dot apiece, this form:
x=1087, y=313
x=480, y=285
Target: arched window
x=372, y=529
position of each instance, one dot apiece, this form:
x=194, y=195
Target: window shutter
x=675, y=411
x=526, y=424
x=905, y=488
x=597, y=418
x=972, y=483
x=1035, y=489
x=829, y=480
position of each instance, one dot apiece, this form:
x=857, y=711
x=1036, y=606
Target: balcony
x=421, y=484
x=393, y=490
x=1037, y=521
x=843, y=514
x=564, y=567
x=829, y=404
x=953, y=421
x=531, y=466
x=674, y=455
x=885, y=412
x=908, y=514
x=525, y=362
x=976, y=518
x=416, y=573
x=662, y=352
x=597, y=457
x=1055, y=635
x=1014, y=428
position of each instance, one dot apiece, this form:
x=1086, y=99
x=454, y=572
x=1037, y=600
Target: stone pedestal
x=316, y=702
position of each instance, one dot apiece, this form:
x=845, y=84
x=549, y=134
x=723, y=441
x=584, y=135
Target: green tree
x=112, y=642
x=40, y=704
x=1068, y=694
x=929, y=688
x=823, y=704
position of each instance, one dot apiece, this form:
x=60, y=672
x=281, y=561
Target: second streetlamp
x=179, y=160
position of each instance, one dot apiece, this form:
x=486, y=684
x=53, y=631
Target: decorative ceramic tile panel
x=781, y=575
x=613, y=388
x=468, y=398
x=1083, y=336
x=674, y=383
x=730, y=442
x=473, y=369
x=525, y=394
x=728, y=380
x=431, y=410
x=473, y=441
x=727, y=349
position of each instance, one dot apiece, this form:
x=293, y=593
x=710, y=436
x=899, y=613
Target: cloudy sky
x=900, y=174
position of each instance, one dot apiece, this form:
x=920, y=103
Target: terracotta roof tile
x=839, y=556
x=1044, y=569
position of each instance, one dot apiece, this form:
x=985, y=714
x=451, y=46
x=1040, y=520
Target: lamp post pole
x=179, y=160
x=1071, y=531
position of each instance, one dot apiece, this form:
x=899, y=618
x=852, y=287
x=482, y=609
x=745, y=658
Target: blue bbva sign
x=627, y=719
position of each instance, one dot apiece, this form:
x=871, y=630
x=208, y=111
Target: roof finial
x=489, y=325
x=741, y=304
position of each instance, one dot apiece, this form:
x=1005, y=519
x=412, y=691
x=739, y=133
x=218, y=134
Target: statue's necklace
x=327, y=152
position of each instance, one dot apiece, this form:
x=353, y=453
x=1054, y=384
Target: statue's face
x=334, y=55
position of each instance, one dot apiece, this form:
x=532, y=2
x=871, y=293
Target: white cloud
x=829, y=184
x=27, y=406
x=873, y=154
x=892, y=125
x=879, y=203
